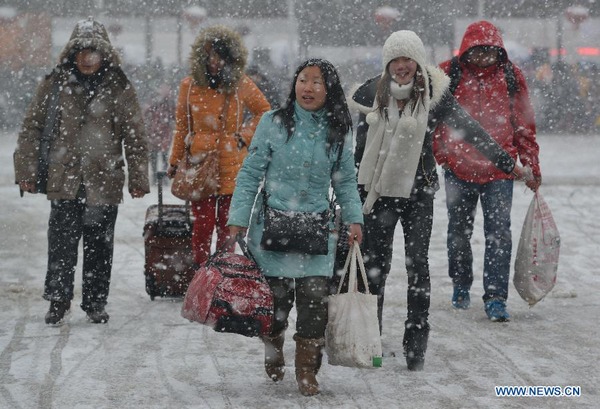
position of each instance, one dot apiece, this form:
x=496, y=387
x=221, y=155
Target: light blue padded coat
x=297, y=175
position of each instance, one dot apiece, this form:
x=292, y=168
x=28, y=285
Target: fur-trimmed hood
x=232, y=41
x=90, y=33
x=363, y=99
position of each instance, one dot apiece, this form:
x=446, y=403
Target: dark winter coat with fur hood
x=443, y=108
x=216, y=113
x=99, y=127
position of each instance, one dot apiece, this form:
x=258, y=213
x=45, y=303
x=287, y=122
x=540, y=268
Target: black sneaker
x=98, y=316
x=57, y=311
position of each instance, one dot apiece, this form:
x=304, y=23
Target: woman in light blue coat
x=298, y=152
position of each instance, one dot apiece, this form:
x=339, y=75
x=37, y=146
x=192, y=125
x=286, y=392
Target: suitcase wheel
x=151, y=287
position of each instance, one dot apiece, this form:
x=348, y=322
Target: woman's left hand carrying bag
x=352, y=336
x=197, y=177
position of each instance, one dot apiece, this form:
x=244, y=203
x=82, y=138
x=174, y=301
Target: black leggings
x=310, y=294
x=416, y=216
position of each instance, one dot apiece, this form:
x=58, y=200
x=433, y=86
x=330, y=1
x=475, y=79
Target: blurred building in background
x=154, y=37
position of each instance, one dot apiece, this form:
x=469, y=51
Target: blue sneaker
x=461, y=300
x=496, y=310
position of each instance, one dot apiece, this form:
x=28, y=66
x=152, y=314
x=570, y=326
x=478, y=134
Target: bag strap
x=224, y=111
x=336, y=167
x=231, y=240
x=189, y=111
x=354, y=258
x=454, y=74
x=189, y=138
x=513, y=87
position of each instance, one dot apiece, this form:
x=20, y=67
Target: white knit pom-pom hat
x=403, y=43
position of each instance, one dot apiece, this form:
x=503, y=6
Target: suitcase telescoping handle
x=159, y=179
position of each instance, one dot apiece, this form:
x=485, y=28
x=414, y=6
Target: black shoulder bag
x=297, y=232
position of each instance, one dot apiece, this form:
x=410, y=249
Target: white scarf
x=401, y=92
x=393, y=147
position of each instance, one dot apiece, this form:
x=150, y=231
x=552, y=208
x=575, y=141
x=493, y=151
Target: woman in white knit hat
x=397, y=175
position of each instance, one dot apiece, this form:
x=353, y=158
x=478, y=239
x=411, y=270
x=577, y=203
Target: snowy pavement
x=147, y=356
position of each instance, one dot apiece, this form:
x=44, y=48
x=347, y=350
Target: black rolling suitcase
x=169, y=265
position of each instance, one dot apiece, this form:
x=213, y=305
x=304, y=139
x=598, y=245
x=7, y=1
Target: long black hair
x=338, y=114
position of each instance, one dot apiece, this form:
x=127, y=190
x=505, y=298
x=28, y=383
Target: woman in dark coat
x=397, y=175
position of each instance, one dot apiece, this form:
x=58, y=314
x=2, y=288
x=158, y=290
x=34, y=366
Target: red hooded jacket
x=483, y=93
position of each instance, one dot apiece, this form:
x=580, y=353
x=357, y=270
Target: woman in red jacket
x=493, y=91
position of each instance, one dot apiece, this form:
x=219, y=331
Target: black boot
x=57, y=311
x=274, y=359
x=415, y=344
x=98, y=316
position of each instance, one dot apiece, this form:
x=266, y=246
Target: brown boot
x=274, y=360
x=308, y=362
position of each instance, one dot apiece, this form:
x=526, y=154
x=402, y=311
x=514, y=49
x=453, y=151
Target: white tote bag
x=536, y=261
x=352, y=336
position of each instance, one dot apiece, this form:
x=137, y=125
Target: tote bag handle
x=354, y=258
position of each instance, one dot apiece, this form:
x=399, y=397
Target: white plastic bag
x=352, y=336
x=536, y=261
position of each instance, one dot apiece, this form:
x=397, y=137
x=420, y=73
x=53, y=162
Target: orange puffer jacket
x=216, y=118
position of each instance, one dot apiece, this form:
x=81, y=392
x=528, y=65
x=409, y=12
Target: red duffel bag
x=230, y=294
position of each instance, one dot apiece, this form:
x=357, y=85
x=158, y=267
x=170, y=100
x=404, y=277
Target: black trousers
x=310, y=294
x=70, y=220
x=416, y=216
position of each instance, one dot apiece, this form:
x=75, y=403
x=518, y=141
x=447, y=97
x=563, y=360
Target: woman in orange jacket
x=215, y=95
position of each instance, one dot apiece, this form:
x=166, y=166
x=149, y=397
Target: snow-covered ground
x=147, y=356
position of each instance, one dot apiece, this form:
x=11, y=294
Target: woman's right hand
x=171, y=171
x=354, y=233
x=525, y=174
